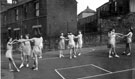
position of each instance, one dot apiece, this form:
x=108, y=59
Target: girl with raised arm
x=10, y=56
x=79, y=43
x=71, y=45
x=128, y=42
x=112, y=42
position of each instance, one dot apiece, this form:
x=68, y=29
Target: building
x=110, y=13
x=104, y=10
x=3, y=5
x=115, y=8
x=48, y=17
x=88, y=24
x=119, y=7
x=87, y=12
x=132, y=5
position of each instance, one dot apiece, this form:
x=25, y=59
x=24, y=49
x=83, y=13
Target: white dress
x=129, y=37
x=112, y=40
x=79, y=42
x=9, y=50
x=62, y=42
x=71, y=43
x=41, y=43
x=21, y=45
x=36, y=48
x=27, y=48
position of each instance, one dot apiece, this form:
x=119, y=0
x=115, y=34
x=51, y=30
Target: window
x=17, y=32
x=37, y=29
x=16, y=14
x=25, y=11
x=9, y=32
x=115, y=6
x=14, y=2
x=5, y=19
x=37, y=8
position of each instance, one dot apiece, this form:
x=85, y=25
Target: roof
x=87, y=10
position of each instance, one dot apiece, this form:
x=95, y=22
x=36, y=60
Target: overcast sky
x=82, y=4
x=93, y=4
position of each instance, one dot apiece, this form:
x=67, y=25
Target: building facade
x=86, y=13
x=119, y=7
x=3, y=5
x=48, y=17
x=88, y=24
x=132, y=5
x=104, y=10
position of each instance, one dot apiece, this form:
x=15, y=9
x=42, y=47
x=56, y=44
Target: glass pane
x=37, y=5
x=37, y=13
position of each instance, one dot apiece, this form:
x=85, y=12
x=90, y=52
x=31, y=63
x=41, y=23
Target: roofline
x=82, y=12
x=103, y=5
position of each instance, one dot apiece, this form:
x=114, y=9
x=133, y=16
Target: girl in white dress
x=21, y=45
x=71, y=45
x=9, y=55
x=36, y=51
x=112, y=42
x=128, y=42
x=79, y=43
x=61, y=45
x=26, y=51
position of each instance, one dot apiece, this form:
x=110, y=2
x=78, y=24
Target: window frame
x=37, y=10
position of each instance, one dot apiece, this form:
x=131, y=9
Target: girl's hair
x=111, y=29
x=79, y=31
x=26, y=35
x=131, y=30
x=21, y=36
x=37, y=35
x=9, y=38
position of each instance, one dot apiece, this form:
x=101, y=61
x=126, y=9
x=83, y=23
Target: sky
x=93, y=4
x=82, y=4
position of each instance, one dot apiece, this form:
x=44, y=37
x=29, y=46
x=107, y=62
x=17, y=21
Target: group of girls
x=26, y=50
x=35, y=51
x=112, y=42
x=74, y=47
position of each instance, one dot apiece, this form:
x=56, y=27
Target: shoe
x=36, y=69
x=117, y=56
x=18, y=70
x=21, y=66
x=124, y=53
x=27, y=65
x=79, y=54
x=128, y=54
x=40, y=57
x=62, y=55
x=74, y=56
x=11, y=70
x=110, y=56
